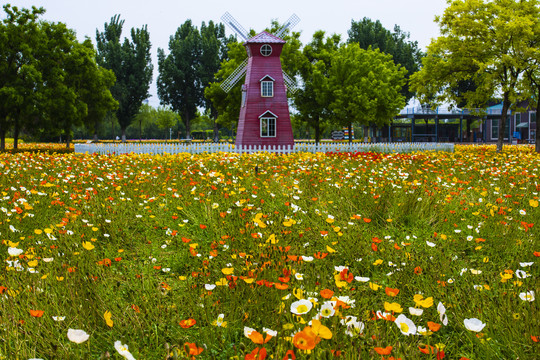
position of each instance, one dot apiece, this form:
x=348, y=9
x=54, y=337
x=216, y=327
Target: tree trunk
x=537, y=145
x=502, y=123
x=350, y=133
x=16, y=131
x=216, y=131
x=2, y=139
x=123, y=135
x=188, y=127
x=140, y=130
x=67, y=141
x=469, y=135
x=95, y=130
x=317, y=130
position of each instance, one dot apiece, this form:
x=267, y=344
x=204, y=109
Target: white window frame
x=267, y=88
x=266, y=50
x=271, y=124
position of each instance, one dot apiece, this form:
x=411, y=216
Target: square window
x=267, y=88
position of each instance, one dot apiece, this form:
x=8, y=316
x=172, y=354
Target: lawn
x=222, y=256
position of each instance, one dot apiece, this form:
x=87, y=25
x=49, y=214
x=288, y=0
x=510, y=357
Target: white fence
x=198, y=148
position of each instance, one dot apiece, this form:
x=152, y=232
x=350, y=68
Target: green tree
x=179, y=82
x=194, y=57
x=131, y=64
x=313, y=99
x=214, y=51
x=166, y=118
x=404, y=52
x=146, y=116
x=227, y=104
x=19, y=77
x=365, y=87
x=486, y=42
x=74, y=90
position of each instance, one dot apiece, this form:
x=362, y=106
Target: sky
x=163, y=17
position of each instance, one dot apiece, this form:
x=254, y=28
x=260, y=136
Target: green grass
x=165, y=229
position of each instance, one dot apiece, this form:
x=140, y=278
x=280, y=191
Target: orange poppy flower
x=327, y=293
x=289, y=355
x=187, y=323
x=383, y=351
x=257, y=337
x=257, y=354
x=391, y=292
x=37, y=313
x=306, y=339
x=192, y=349
x=427, y=349
x=433, y=326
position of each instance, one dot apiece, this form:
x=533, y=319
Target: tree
x=487, y=42
x=166, y=118
x=227, y=104
x=74, y=90
x=313, y=99
x=131, y=64
x=19, y=77
x=194, y=57
x=364, y=86
x=404, y=52
x=179, y=83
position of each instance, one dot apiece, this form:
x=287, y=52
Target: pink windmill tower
x=264, y=113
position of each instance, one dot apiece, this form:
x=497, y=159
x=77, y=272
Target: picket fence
x=198, y=148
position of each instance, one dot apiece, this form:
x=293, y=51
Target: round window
x=266, y=50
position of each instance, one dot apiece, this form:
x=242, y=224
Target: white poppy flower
x=527, y=296
x=123, y=350
x=415, y=311
x=474, y=324
x=301, y=307
x=405, y=325
x=77, y=336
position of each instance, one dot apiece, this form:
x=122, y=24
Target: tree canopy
x=131, y=63
x=193, y=59
x=49, y=81
x=365, y=86
x=486, y=42
x=368, y=33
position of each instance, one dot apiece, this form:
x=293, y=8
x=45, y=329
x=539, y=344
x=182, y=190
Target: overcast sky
x=163, y=17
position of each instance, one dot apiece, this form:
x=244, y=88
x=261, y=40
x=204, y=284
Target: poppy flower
x=187, y=323
x=391, y=292
x=306, y=339
x=405, y=325
x=383, y=351
x=474, y=324
x=192, y=349
x=256, y=354
x=77, y=336
x=123, y=350
x=327, y=293
x=37, y=313
x=301, y=307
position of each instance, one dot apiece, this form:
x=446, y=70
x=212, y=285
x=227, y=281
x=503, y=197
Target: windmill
x=264, y=113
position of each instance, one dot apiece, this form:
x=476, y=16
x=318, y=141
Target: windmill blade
x=290, y=83
x=236, y=75
x=289, y=24
x=235, y=25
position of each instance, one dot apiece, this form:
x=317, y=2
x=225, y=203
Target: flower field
x=303, y=256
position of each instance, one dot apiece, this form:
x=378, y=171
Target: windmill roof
x=265, y=37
